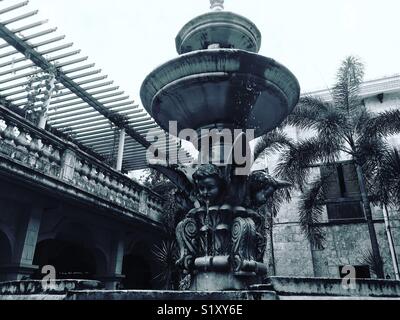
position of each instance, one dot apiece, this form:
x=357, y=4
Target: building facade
x=343, y=222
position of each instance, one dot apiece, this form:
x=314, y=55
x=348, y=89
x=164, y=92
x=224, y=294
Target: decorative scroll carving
x=243, y=240
x=186, y=235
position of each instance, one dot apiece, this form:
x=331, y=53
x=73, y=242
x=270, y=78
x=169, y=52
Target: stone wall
x=346, y=244
x=279, y=288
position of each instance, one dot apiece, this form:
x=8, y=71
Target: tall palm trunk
x=271, y=246
x=370, y=223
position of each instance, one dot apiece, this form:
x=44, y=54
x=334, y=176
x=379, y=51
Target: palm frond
x=393, y=175
x=295, y=163
x=384, y=123
x=369, y=152
x=378, y=188
x=332, y=131
x=368, y=259
x=385, y=184
x=165, y=255
x=307, y=113
x=276, y=201
x=360, y=121
x=312, y=203
x=273, y=141
x=348, y=80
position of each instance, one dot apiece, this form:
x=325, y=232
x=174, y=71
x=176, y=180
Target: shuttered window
x=342, y=192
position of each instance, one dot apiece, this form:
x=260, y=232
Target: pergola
x=87, y=106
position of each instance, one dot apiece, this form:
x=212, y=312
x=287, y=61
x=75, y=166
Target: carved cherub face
x=261, y=187
x=262, y=195
x=209, y=183
x=209, y=189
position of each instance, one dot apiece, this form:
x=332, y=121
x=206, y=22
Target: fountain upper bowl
x=227, y=29
x=241, y=89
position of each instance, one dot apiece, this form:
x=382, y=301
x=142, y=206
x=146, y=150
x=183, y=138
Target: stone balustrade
x=45, y=153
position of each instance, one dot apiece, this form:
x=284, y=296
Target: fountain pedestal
x=222, y=247
x=223, y=281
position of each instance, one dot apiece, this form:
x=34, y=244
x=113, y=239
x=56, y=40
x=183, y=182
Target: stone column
x=44, y=117
x=113, y=277
x=121, y=147
x=25, y=245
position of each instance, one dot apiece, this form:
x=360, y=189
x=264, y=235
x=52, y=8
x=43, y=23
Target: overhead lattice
x=86, y=105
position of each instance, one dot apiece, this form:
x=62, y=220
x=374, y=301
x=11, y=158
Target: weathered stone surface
x=37, y=287
x=328, y=287
x=48, y=161
x=279, y=288
x=214, y=281
x=171, y=295
x=51, y=297
x=346, y=244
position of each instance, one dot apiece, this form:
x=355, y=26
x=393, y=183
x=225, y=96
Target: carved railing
x=44, y=152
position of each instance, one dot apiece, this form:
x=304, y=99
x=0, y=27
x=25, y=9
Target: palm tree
x=340, y=129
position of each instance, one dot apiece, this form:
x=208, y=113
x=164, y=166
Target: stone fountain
x=219, y=82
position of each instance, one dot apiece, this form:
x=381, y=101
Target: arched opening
x=5, y=249
x=137, y=269
x=71, y=260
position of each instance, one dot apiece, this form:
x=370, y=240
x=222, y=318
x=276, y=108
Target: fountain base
x=278, y=288
x=218, y=281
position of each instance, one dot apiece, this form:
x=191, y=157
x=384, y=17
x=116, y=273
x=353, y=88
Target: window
x=342, y=180
x=345, y=210
x=342, y=192
x=362, y=272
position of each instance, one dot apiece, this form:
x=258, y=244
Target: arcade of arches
x=79, y=241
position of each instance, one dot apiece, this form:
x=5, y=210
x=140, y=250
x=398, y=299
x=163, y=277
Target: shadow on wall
x=72, y=252
x=137, y=269
x=71, y=260
x=5, y=252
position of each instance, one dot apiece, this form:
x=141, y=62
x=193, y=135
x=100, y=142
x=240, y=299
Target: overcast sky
x=129, y=38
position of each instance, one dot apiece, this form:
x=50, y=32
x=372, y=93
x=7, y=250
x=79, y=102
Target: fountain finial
x=217, y=5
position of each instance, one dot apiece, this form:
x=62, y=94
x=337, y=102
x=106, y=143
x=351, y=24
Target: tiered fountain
x=219, y=81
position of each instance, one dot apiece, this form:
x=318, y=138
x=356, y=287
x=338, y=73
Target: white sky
x=129, y=38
